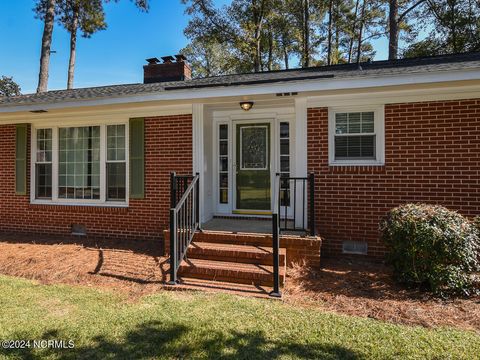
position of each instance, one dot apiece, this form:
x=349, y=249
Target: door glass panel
x=253, y=174
x=254, y=148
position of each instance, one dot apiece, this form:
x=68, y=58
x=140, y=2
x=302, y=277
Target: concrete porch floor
x=244, y=225
x=239, y=225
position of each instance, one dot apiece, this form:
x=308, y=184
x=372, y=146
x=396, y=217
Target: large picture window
x=81, y=164
x=356, y=137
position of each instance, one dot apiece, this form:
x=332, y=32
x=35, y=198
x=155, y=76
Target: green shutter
x=137, y=159
x=21, y=160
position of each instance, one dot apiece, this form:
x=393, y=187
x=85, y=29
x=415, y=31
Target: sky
x=113, y=56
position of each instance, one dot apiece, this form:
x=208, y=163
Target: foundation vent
x=79, y=230
x=355, y=247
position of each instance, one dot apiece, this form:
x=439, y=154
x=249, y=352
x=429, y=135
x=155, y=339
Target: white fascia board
x=396, y=96
x=192, y=94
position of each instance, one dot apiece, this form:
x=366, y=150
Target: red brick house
x=97, y=161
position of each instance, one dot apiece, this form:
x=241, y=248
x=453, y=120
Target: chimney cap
x=167, y=59
x=180, y=58
x=152, y=61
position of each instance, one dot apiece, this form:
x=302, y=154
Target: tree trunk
x=337, y=35
x=257, y=19
x=270, y=50
x=329, y=45
x=285, y=56
x=46, y=44
x=354, y=28
x=73, y=49
x=306, y=33
x=453, y=26
x=360, y=31
x=393, y=30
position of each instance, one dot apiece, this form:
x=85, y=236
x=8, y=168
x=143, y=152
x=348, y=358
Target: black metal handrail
x=295, y=213
x=184, y=219
x=276, y=238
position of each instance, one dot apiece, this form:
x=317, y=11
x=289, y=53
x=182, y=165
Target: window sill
x=84, y=204
x=356, y=163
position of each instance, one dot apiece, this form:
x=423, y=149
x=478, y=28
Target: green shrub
x=476, y=223
x=434, y=247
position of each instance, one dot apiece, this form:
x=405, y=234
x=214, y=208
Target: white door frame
x=232, y=118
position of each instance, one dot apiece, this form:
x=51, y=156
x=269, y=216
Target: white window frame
x=379, y=127
x=102, y=202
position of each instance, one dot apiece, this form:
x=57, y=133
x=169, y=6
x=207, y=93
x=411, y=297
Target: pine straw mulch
x=138, y=268
x=367, y=289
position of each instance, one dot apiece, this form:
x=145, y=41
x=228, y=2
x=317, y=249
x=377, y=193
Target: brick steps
x=260, y=255
x=232, y=258
x=226, y=271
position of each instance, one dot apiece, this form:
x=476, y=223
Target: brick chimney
x=172, y=69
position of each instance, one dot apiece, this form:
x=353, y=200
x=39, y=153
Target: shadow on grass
x=158, y=340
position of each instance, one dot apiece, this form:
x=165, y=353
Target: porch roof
x=373, y=69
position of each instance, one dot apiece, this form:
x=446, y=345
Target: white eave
x=314, y=87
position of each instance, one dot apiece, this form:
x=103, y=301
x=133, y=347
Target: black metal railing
x=293, y=194
x=184, y=218
x=178, y=186
x=276, y=238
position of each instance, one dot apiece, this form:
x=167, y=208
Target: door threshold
x=252, y=212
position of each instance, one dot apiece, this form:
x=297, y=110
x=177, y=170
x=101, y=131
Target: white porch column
x=300, y=154
x=198, y=153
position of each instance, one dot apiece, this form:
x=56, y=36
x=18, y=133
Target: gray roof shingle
x=363, y=70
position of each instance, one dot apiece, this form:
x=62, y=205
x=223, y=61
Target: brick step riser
x=234, y=239
x=245, y=258
x=230, y=276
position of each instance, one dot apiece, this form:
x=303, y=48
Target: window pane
x=115, y=142
x=284, y=146
x=367, y=122
x=223, y=148
x=224, y=180
x=284, y=130
x=224, y=131
x=355, y=147
x=368, y=146
x=44, y=145
x=284, y=190
x=43, y=176
x=285, y=164
x=341, y=123
x=223, y=163
x=223, y=196
x=354, y=123
x=116, y=181
x=79, y=169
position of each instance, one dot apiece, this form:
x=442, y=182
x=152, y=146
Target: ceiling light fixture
x=246, y=105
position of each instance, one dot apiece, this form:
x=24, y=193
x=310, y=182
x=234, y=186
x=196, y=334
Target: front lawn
x=198, y=325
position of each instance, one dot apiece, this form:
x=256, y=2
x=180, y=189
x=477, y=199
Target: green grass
x=167, y=325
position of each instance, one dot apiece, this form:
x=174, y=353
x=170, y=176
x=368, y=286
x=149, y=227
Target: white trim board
x=394, y=96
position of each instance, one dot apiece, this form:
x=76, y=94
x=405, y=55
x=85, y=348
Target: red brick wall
x=168, y=147
x=432, y=155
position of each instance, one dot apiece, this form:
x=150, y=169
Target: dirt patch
x=137, y=268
